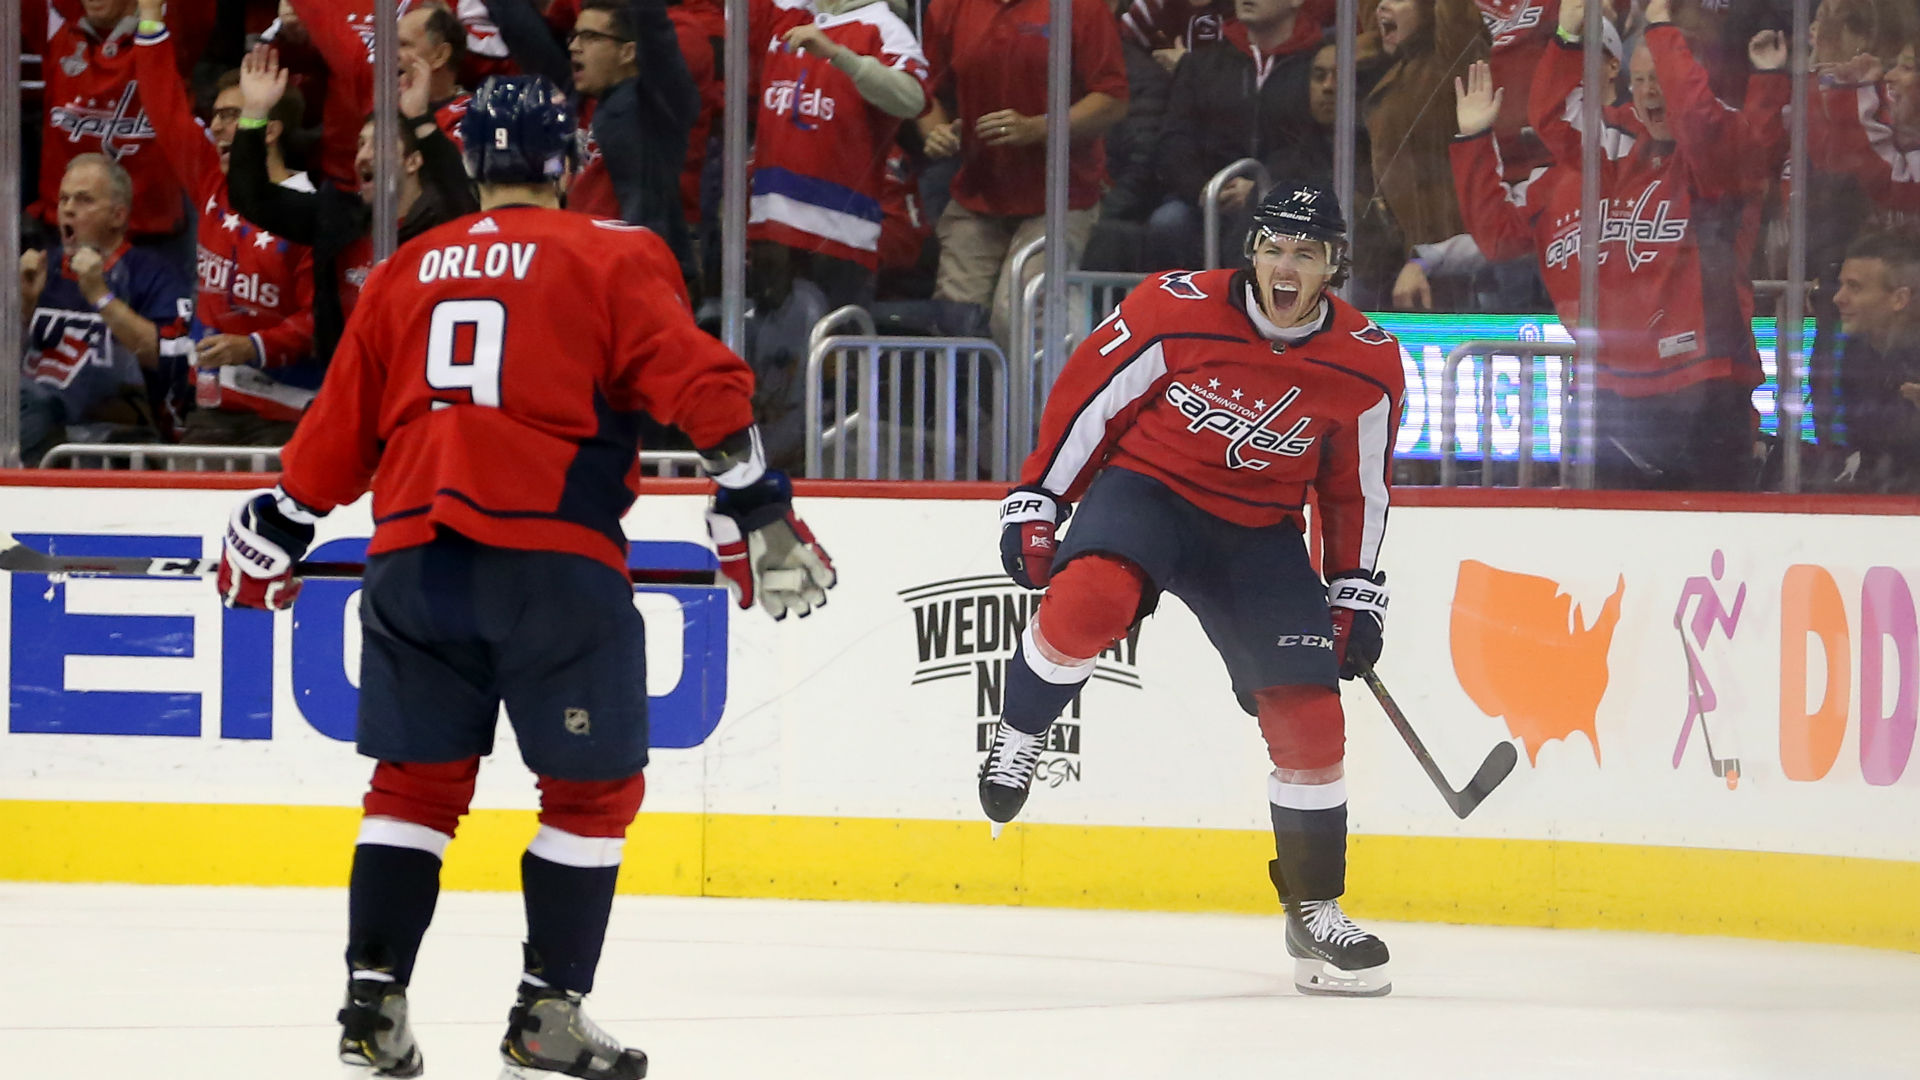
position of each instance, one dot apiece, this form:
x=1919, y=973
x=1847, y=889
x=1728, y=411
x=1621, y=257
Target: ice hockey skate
x=1332, y=956
x=1007, y=773
x=549, y=1035
x=375, y=1038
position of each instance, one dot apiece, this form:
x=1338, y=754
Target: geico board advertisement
x=1722, y=680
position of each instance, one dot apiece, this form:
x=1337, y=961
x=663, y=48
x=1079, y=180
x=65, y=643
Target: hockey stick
x=1500, y=761
x=21, y=559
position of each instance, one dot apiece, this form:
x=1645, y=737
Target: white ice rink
x=223, y=984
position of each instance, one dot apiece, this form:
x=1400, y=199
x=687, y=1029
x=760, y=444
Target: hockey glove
x=1359, y=608
x=766, y=552
x=265, y=538
x=1028, y=518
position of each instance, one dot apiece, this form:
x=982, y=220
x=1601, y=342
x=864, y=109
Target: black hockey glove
x=1359, y=608
x=1028, y=518
x=766, y=551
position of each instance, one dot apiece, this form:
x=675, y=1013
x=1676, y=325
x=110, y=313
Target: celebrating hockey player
x=1191, y=427
x=497, y=398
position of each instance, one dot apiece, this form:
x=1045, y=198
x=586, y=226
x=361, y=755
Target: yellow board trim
x=1787, y=897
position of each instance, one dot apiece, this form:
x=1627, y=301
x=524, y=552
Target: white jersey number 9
x=479, y=325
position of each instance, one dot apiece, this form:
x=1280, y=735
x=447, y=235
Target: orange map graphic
x=1521, y=653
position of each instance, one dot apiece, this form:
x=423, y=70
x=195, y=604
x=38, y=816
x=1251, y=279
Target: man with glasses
x=624, y=56
x=253, y=309
x=1192, y=426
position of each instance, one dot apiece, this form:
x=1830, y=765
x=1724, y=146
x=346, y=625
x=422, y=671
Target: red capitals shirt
x=1520, y=31
x=478, y=387
x=94, y=106
x=252, y=282
x=1186, y=383
x=996, y=55
x=820, y=149
x=342, y=33
x=1676, y=299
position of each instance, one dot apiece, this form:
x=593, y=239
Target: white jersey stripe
x=1089, y=430
x=1375, y=432
x=844, y=228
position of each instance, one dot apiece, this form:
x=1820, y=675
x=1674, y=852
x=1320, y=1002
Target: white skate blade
x=996, y=826
x=1318, y=978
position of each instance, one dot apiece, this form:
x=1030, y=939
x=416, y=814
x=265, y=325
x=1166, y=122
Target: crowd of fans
x=202, y=220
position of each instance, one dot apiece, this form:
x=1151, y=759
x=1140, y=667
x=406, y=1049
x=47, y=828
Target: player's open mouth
x=1285, y=296
x=1656, y=114
x=1389, y=29
x=66, y=234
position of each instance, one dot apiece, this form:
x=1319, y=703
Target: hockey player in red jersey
x=1191, y=427
x=498, y=401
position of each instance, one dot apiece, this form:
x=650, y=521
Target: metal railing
x=1246, y=168
x=163, y=456
x=137, y=457
x=1525, y=351
x=923, y=408
x=1091, y=297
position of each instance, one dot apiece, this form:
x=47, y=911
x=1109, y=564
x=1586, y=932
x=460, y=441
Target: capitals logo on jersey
x=1244, y=428
x=120, y=129
x=1629, y=223
x=1518, y=19
x=791, y=99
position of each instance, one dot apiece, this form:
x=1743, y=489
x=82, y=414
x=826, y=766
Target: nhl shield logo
x=577, y=723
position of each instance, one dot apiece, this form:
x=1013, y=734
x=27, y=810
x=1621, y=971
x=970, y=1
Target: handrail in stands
x=935, y=366
x=1450, y=398
x=1245, y=168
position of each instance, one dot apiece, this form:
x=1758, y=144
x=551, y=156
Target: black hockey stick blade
x=1492, y=772
x=19, y=558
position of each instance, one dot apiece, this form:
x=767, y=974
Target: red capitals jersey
x=94, y=106
x=820, y=149
x=251, y=282
x=1853, y=135
x=1520, y=30
x=1187, y=383
x=342, y=33
x=1676, y=300
x=478, y=387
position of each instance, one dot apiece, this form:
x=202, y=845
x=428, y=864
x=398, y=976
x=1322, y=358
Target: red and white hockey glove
x=266, y=536
x=1359, y=607
x=766, y=552
x=1028, y=518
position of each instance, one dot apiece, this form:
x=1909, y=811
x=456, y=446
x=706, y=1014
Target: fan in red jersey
x=1191, y=427
x=493, y=405
x=253, y=308
x=1683, y=181
x=94, y=105
x=836, y=78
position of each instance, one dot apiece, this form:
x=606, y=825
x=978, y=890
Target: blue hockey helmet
x=519, y=129
x=1308, y=210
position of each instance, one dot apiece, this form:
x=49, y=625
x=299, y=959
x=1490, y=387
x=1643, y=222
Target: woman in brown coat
x=1410, y=117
